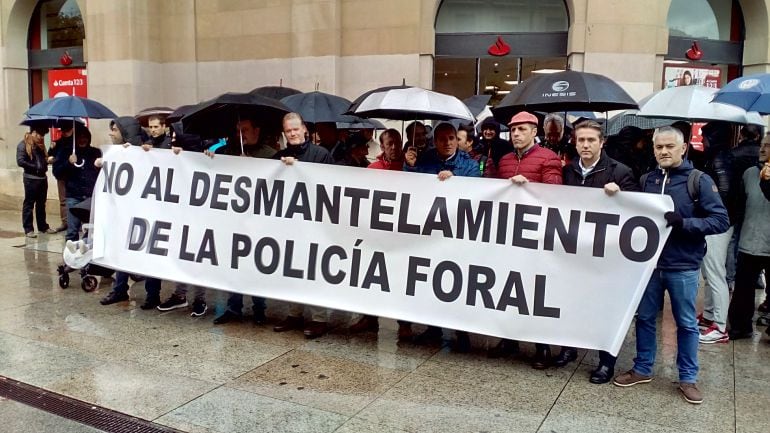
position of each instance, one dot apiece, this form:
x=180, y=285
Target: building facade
x=134, y=54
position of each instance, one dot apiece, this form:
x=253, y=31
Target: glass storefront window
x=501, y=16
x=700, y=19
x=61, y=24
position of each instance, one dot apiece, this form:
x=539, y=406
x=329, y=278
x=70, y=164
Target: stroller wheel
x=64, y=281
x=89, y=283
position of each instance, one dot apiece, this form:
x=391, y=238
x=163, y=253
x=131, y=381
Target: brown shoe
x=365, y=324
x=290, y=323
x=630, y=378
x=691, y=393
x=405, y=332
x=315, y=329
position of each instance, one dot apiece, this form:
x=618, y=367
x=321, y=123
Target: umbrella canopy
x=144, y=115
x=217, y=117
x=751, y=93
x=692, y=103
x=355, y=122
x=630, y=118
x=477, y=103
x=180, y=112
x=275, y=92
x=71, y=106
x=317, y=107
x=564, y=91
x=49, y=121
x=409, y=103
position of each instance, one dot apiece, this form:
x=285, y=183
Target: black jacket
x=161, y=142
x=79, y=181
x=306, y=152
x=607, y=170
x=61, y=150
x=35, y=166
x=719, y=166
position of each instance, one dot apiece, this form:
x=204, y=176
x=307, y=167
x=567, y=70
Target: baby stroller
x=77, y=255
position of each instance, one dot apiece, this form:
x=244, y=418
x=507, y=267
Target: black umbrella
x=318, y=107
x=217, y=117
x=180, y=112
x=355, y=122
x=275, y=92
x=477, y=103
x=144, y=115
x=630, y=118
x=564, y=91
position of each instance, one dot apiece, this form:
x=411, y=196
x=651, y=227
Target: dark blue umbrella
x=318, y=107
x=49, y=121
x=71, y=106
x=752, y=93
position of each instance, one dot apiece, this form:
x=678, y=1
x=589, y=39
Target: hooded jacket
x=460, y=164
x=606, y=170
x=130, y=129
x=79, y=181
x=537, y=164
x=685, y=247
x=496, y=147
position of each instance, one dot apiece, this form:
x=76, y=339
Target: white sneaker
x=712, y=335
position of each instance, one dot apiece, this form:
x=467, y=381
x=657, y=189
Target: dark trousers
x=151, y=285
x=606, y=359
x=747, y=272
x=235, y=303
x=35, y=193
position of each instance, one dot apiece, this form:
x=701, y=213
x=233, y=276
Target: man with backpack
x=698, y=212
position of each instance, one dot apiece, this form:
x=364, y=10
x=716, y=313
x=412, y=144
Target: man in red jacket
x=528, y=162
x=392, y=156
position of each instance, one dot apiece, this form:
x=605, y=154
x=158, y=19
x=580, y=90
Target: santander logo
x=694, y=53
x=499, y=48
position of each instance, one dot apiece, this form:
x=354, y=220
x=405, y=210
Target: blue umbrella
x=752, y=93
x=48, y=121
x=71, y=106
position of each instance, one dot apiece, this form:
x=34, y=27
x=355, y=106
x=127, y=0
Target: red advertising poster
x=66, y=82
x=683, y=75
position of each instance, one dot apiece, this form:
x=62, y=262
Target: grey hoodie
x=130, y=129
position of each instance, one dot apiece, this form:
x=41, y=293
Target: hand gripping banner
x=552, y=264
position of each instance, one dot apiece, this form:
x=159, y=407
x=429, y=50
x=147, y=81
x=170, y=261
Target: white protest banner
x=551, y=264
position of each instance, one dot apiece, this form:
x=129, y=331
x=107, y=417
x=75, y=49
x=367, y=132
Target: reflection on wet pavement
x=186, y=373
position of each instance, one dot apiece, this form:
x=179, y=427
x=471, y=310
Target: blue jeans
x=682, y=288
x=235, y=303
x=151, y=285
x=73, y=222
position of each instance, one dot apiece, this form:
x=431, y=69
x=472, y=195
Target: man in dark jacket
x=594, y=169
x=300, y=149
x=127, y=131
x=61, y=149
x=156, y=126
x=678, y=266
x=79, y=172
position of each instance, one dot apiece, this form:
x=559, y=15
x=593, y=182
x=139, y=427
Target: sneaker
x=113, y=298
x=172, y=303
x=704, y=323
x=630, y=378
x=712, y=335
x=31, y=235
x=259, y=317
x=199, y=308
x=691, y=393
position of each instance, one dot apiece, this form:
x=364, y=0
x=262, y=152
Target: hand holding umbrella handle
x=764, y=174
x=410, y=156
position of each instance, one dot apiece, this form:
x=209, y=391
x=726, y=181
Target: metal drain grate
x=85, y=413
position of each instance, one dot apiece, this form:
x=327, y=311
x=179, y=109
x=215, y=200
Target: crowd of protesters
x=723, y=201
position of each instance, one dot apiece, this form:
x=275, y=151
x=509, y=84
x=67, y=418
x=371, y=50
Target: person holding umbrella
x=31, y=156
x=61, y=149
x=79, y=172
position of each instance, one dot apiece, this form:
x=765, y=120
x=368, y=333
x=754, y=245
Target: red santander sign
x=67, y=82
x=499, y=48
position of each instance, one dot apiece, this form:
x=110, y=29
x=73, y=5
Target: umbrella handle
x=79, y=165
